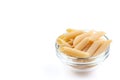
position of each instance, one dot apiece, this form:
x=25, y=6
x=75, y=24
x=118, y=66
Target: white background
x=29, y=28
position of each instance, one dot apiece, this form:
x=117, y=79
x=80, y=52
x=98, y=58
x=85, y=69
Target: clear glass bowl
x=82, y=64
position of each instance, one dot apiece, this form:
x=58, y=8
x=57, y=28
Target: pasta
x=82, y=44
x=70, y=42
x=97, y=35
x=94, y=47
x=81, y=37
x=87, y=47
x=72, y=35
x=74, y=52
x=70, y=30
x=103, y=47
x=62, y=43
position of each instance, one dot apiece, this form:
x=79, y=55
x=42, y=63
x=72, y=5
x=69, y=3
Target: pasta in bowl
x=82, y=50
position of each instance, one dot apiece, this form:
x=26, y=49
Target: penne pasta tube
x=61, y=42
x=82, y=44
x=70, y=42
x=72, y=35
x=61, y=36
x=94, y=47
x=82, y=36
x=74, y=52
x=87, y=47
x=70, y=30
x=103, y=47
x=97, y=35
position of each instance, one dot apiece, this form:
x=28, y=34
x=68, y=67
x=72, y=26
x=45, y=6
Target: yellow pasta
x=80, y=37
x=70, y=42
x=62, y=43
x=74, y=52
x=87, y=47
x=82, y=44
x=70, y=30
x=72, y=35
x=61, y=36
x=94, y=47
x=103, y=47
x=97, y=35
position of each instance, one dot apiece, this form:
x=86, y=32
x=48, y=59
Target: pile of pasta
x=82, y=44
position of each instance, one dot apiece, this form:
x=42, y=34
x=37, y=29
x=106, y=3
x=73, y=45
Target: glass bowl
x=82, y=64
